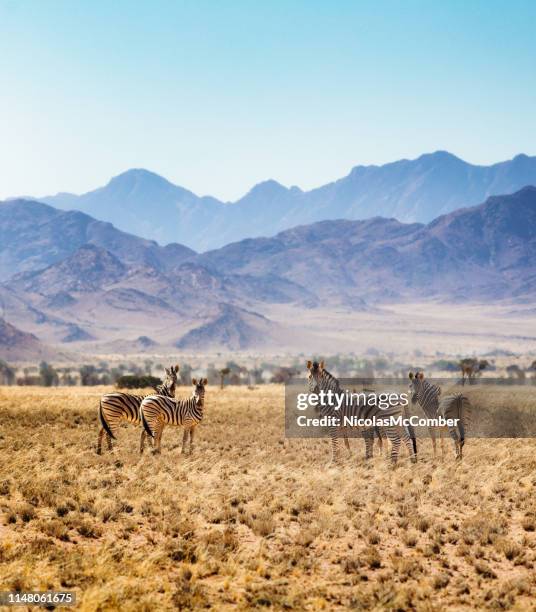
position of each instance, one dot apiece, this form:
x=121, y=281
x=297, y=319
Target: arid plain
x=255, y=520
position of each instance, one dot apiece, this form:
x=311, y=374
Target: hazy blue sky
x=217, y=96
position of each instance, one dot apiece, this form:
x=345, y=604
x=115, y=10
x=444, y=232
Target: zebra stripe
x=157, y=411
x=321, y=380
x=114, y=408
x=456, y=406
x=427, y=396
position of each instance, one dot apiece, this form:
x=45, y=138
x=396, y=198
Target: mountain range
x=145, y=204
x=75, y=281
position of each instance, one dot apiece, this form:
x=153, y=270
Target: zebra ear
x=309, y=365
x=411, y=375
x=176, y=368
x=420, y=375
x=168, y=372
x=205, y=381
x=321, y=366
x=194, y=381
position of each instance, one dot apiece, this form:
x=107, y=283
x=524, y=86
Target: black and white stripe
x=116, y=408
x=321, y=380
x=157, y=412
x=456, y=406
x=427, y=396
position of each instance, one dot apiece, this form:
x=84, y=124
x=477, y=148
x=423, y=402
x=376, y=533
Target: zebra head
x=416, y=382
x=168, y=386
x=198, y=392
x=316, y=371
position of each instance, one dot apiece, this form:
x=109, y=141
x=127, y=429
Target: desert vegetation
x=254, y=370
x=253, y=520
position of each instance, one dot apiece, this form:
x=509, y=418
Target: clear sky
x=219, y=95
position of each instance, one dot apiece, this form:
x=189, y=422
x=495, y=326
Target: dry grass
x=254, y=520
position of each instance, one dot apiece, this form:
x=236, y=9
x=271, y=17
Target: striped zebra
x=321, y=380
x=427, y=396
x=377, y=431
x=158, y=411
x=115, y=408
x=455, y=406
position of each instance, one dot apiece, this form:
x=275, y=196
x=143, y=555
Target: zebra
x=321, y=380
x=427, y=396
x=157, y=411
x=117, y=407
x=455, y=406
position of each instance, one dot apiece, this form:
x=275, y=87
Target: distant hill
x=107, y=297
x=482, y=252
x=89, y=268
x=16, y=345
x=146, y=204
x=419, y=190
x=34, y=235
x=233, y=329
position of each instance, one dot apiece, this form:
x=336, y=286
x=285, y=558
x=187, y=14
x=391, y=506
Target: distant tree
x=7, y=373
x=66, y=377
x=283, y=375
x=89, y=375
x=223, y=373
x=255, y=376
x=137, y=381
x=27, y=380
x=445, y=365
x=213, y=375
x=185, y=374
x=49, y=376
x=381, y=364
x=515, y=371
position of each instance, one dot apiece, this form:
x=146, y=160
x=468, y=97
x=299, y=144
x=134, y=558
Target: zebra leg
x=368, y=434
x=379, y=434
x=192, y=439
x=394, y=437
x=346, y=442
x=109, y=440
x=335, y=454
x=142, y=440
x=99, y=441
x=157, y=437
x=457, y=447
x=431, y=431
x=184, y=440
x=412, y=450
x=442, y=440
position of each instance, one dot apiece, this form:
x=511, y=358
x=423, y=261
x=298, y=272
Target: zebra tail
x=145, y=424
x=104, y=423
x=465, y=417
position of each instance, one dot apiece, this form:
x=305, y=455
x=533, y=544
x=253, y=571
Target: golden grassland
x=252, y=520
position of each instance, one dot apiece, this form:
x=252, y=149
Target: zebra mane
x=331, y=378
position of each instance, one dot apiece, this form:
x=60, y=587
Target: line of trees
x=132, y=374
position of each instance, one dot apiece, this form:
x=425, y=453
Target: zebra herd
x=454, y=407
x=153, y=411
x=157, y=410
